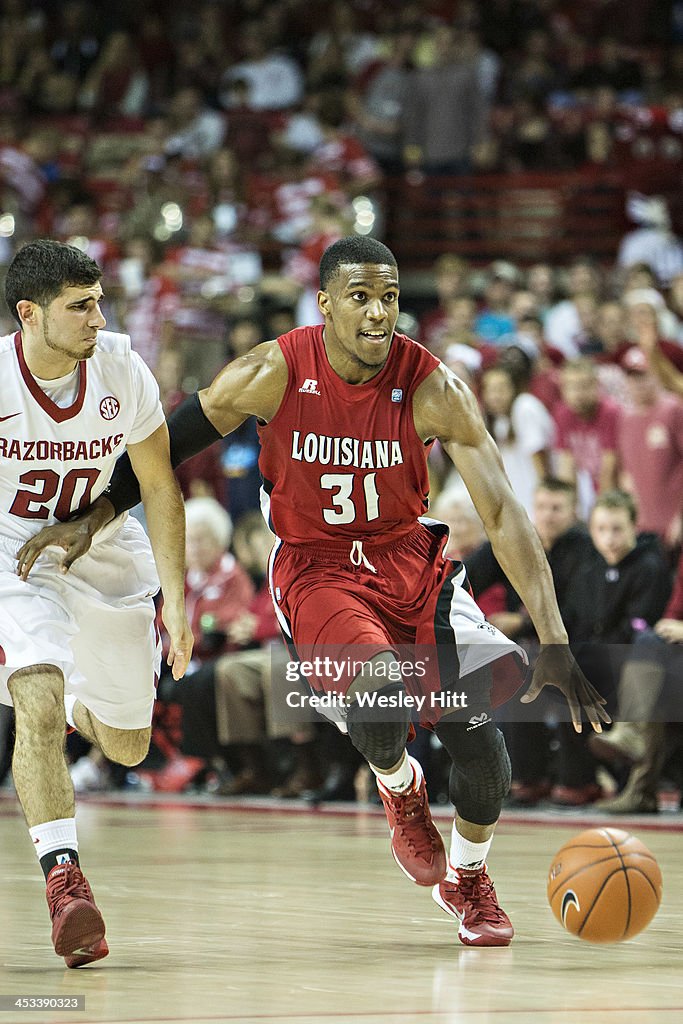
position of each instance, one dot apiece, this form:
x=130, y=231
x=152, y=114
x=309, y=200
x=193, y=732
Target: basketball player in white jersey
x=79, y=648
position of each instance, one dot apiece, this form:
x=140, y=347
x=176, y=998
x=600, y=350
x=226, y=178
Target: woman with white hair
x=217, y=587
x=217, y=593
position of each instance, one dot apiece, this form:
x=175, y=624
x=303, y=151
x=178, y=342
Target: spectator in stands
x=274, y=80
x=650, y=449
x=194, y=129
x=567, y=546
x=522, y=428
x=250, y=685
x=451, y=280
x=378, y=105
x=676, y=304
x=331, y=219
x=218, y=589
x=540, y=281
x=217, y=592
x=534, y=74
x=487, y=63
x=497, y=599
x=649, y=695
x=208, y=272
x=156, y=54
x=339, y=152
x=225, y=199
x=647, y=312
x=495, y=318
x=610, y=332
x=202, y=475
x=653, y=242
x=79, y=225
x=613, y=69
x=116, y=83
x=668, y=373
x=563, y=324
x=585, y=438
x=628, y=581
x=458, y=343
x=527, y=333
x=342, y=39
x=529, y=144
x=74, y=45
x=445, y=117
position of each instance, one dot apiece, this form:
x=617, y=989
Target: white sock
x=464, y=854
x=69, y=701
x=54, y=835
x=408, y=773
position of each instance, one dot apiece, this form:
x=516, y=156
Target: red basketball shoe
x=77, y=925
x=416, y=844
x=472, y=900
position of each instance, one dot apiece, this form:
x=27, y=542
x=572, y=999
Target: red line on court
x=666, y=823
x=380, y=1014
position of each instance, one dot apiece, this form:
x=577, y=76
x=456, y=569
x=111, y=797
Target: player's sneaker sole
x=80, y=926
x=87, y=954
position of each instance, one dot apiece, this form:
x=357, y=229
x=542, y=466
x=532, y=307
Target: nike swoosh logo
x=3, y=418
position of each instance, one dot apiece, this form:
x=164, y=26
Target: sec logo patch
x=109, y=407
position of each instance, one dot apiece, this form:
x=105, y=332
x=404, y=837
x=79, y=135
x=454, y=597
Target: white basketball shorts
x=95, y=623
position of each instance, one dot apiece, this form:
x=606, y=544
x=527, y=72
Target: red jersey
x=344, y=461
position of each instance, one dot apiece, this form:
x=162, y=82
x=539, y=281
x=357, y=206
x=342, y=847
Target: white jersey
x=56, y=460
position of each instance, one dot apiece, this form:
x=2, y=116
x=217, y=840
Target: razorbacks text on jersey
x=342, y=460
x=54, y=459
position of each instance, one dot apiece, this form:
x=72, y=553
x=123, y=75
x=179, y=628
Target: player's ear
x=324, y=303
x=26, y=311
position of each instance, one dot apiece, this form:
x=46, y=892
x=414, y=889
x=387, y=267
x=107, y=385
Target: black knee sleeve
x=380, y=732
x=480, y=774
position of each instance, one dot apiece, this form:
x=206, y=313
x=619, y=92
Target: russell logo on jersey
x=309, y=387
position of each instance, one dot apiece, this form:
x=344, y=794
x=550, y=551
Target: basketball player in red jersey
x=347, y=413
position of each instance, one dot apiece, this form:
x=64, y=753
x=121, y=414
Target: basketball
x=604, y=885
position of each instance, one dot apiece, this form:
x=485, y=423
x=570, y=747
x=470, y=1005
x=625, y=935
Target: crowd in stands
x=206, y=157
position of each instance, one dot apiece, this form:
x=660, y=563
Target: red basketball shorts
x=403, y=597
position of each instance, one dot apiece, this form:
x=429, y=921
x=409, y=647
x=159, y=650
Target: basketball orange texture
x=604, y=885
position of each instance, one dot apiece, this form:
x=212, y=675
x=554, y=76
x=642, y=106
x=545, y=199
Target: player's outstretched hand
x=556, y=666
x=181, y=638
x=74, y=537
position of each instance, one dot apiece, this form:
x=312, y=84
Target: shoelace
x=409, y=810
x=477, y=892
x=69, y=885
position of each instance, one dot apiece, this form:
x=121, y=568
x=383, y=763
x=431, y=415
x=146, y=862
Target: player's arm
x=165, y=514
x=252, y=385
x=444, y=407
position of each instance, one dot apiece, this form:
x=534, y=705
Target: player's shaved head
x=354, y=249
x=41, y=270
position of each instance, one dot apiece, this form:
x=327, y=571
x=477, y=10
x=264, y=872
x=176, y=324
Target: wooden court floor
x=258, y=916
